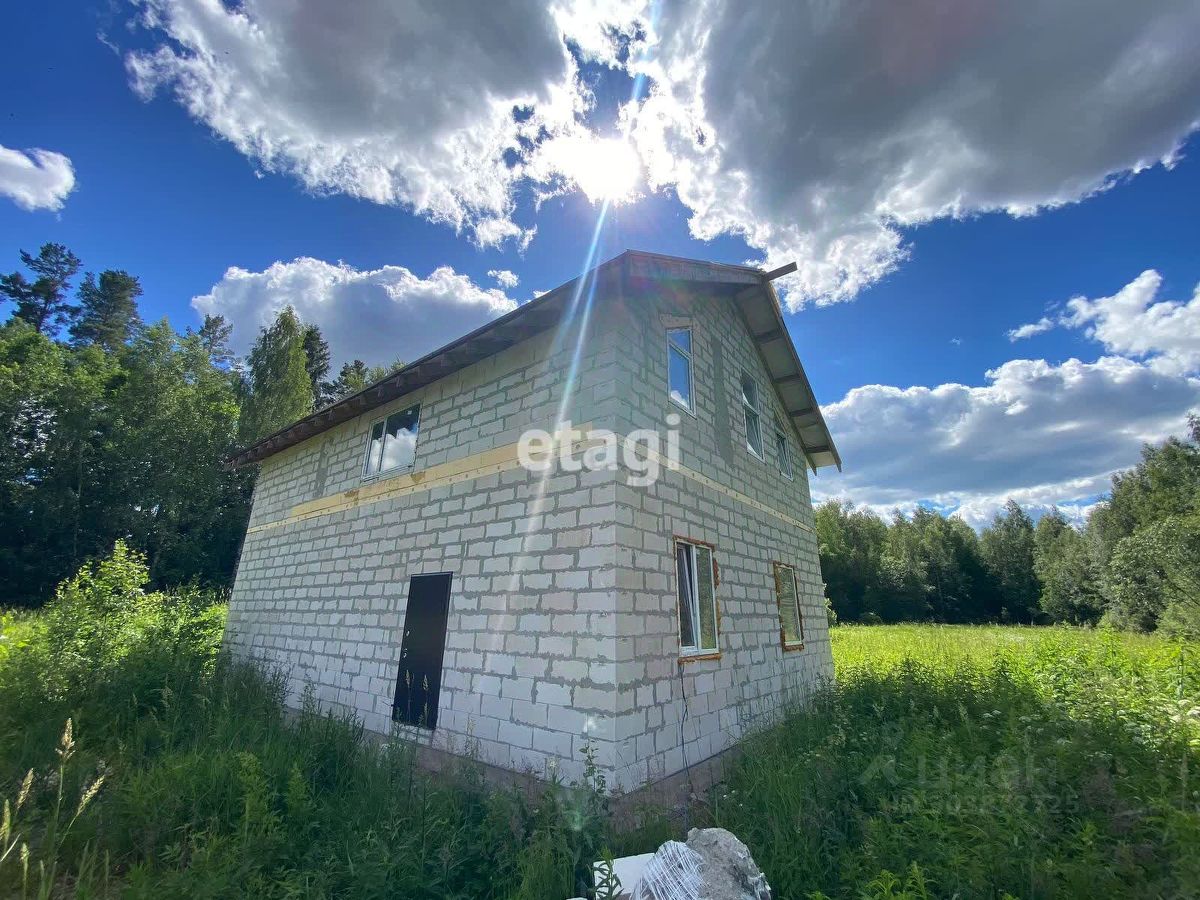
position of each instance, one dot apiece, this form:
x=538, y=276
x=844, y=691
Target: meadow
x=949, y=761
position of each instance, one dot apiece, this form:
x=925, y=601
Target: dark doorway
x=421, y=650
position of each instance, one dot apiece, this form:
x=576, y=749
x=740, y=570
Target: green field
x=949, y=761
x=975, y=761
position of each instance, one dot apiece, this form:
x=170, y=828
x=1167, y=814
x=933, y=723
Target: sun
x=606, y=169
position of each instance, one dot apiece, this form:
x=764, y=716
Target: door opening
x=421, y=650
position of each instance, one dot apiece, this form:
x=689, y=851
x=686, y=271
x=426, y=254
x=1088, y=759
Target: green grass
x=978, y=762
x=948, y=761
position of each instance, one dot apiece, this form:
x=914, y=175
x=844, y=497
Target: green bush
x=1181, y=619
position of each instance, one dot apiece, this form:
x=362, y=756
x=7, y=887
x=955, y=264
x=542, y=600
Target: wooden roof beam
x=780, y=272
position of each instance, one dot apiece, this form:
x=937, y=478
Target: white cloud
x=1041, y=326
x=1131, y=322
x=1039, y=433
x=377, y=315
x=818, y=130
x=35, y=179
x=503, y=277
x=600, y=28
x=394, y=102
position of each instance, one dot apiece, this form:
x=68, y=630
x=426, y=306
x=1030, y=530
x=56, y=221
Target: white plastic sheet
x=673, y=874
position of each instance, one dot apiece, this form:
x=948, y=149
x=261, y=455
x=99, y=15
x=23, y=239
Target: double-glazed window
x=393, y=442
x=697, y=591
x=679, y=367
x=791, y=626
x=782, y=451
x=754, y=441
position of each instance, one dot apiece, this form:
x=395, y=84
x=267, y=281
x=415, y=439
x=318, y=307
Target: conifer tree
x=355, y=376
x=108, y=314
x=43, y=302
x=316, y=353
x=214, y=338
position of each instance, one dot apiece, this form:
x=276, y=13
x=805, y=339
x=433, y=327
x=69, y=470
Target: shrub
x=105, y=652
x=1181, y=619
x=96, y=616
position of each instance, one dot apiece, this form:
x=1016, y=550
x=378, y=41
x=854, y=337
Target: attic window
x=696, y=590
x=754, y=441
x=392, y=443
x=679, y=366
x=783, y=452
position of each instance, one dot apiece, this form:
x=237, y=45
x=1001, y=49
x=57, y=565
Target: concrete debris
x=712, y=865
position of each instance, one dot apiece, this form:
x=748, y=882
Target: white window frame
x=750, y=413
x=692, y=590
x=366, y=466
x=784, y=451
x=690, y=368
x=797, y=644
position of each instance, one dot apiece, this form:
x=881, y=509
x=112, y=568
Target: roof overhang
x=749, y=288
x=522, y=323
x=760, y=308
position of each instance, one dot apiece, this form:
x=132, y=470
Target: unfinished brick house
x=401, y=559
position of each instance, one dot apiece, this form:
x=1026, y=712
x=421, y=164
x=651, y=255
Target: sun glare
x=606, y=169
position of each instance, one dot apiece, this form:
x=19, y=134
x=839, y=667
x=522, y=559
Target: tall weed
x=946, y=762
x=211, y=790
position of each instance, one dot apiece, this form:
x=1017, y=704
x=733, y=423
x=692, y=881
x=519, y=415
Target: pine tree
x=355, y=376
x=43, y=302
x=108, y=314
x=316, y=355
x=277, y=388
x=214, y=338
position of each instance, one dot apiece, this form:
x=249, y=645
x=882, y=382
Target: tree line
x=1135, y=562
x=115, y=428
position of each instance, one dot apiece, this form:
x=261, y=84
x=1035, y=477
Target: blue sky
x=1000, y=204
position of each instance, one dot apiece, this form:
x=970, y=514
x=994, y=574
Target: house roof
x=748, y=288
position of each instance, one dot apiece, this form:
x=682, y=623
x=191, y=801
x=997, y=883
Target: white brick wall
x=325, y=596
x=562, y=623
x=754, y=675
